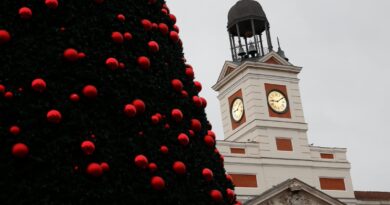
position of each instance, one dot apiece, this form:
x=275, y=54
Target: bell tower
x=265, y=132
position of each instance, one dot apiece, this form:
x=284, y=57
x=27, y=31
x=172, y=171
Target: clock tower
x=265, y=133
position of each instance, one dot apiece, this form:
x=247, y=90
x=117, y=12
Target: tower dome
x=245, y=10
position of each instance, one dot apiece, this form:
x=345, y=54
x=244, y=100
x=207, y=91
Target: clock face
x=277, y=101
x=237, y=109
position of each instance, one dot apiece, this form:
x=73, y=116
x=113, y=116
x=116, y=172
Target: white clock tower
x=265, y=146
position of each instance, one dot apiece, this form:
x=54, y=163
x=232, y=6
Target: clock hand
x=280, y=99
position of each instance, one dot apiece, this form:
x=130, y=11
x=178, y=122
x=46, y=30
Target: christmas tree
x=98, y=106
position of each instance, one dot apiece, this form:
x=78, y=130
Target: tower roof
x=245, y=10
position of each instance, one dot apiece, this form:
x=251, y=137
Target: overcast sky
x=343, y=47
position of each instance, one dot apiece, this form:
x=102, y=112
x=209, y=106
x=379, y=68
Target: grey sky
x=345, y=85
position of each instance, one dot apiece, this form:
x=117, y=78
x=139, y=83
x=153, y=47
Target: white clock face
x=277, y=101
x=237, y=109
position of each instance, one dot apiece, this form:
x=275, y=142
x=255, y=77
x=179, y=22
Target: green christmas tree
x=98, y=106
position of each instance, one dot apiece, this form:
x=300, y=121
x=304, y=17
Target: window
x=332, y=184
x=237, y=150
x=244, y=180
x=284, y=144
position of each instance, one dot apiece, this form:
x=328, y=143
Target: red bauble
x=105, y=167
x=211, y=133
x=196, y=125
x=191, y=132
x=190, y=73
x=157, y=183
x=164, y=149
x=117, y=37
x=121, y=17
x=4, y=36
x=81, y=55
x=94, y=169
x=144, y=63
x=74, y=97
x=184, y=94
x=177, y=85
x=147, y=24
x=230, y=194
x=173, y=18
x=25, y=13
x=177, y=115
x=174, y=36
x=139, y=105
x=204, y=102
x=197, y=101
x=163, y=28
x=141, y=161
x=209, y=140
x=14, y=130
x=207, y=174
x=51, y=4
x=90, y=91
x=154, y=26
x=71, y=54
x=155, y=119
x=128, y=36
x=88, y=147
x=153, y=46
x=2, y=88
x=198, y=86
x=179, y=167
x=176, y=28
x=20, y=150
x=130, y=110
x=216, y=195
x=112, y=63
x=38, y=85
x=183, y=139
x=54, y=116
x=8, y=95
x=164, y=11
x=229, y=178
x=152, y=167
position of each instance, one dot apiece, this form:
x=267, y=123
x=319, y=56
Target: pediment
x=274, y=58
x=294, y=192
x=228, y=68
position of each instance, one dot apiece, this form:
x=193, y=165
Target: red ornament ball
x=38, y=85
x=177, y=85
x=117, y=37
x=112, y=63
x=216, y=195
x=51, y=4
x=230, y=194
x=130, y=110
x=95, y=170
x=176, y=28
x=74, y=97
x=81, y=55
x=8, y=95
x=184, y=94
x=190, y=73
x=229, y=178
x=71, y=54
x=54, y=116
x=20, y=150
x=209, y=141
x=25, y=13
x=147, y=24
x=198, y=86
x=164, y=11
x=207, y=174
x=121, y=17
x=153, y=46
x=2, y=88
x=4, y=36
x=191, y=132
x=164, y=149
x=177, y=115
x=90, y=91
x=173, y=18
x=174, y=36
x=14, y=130
x=88, y=147
x=155, y=119
x=144, y=63
x=204, y=102
x=211, y=133
x=197, y=101
x=196, y=125
x=152, y=167
x=157, y=183
x=127, y=36
x=139, y=105
x=105, y=166
x=179, y=167
x=183, y=139
x=163, y=28
x=141, y=161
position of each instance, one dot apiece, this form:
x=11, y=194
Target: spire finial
x=278, y=43
x=280, y=51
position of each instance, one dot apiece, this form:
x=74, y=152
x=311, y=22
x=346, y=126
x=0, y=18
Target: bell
x=252, y=49
x=241, y=51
